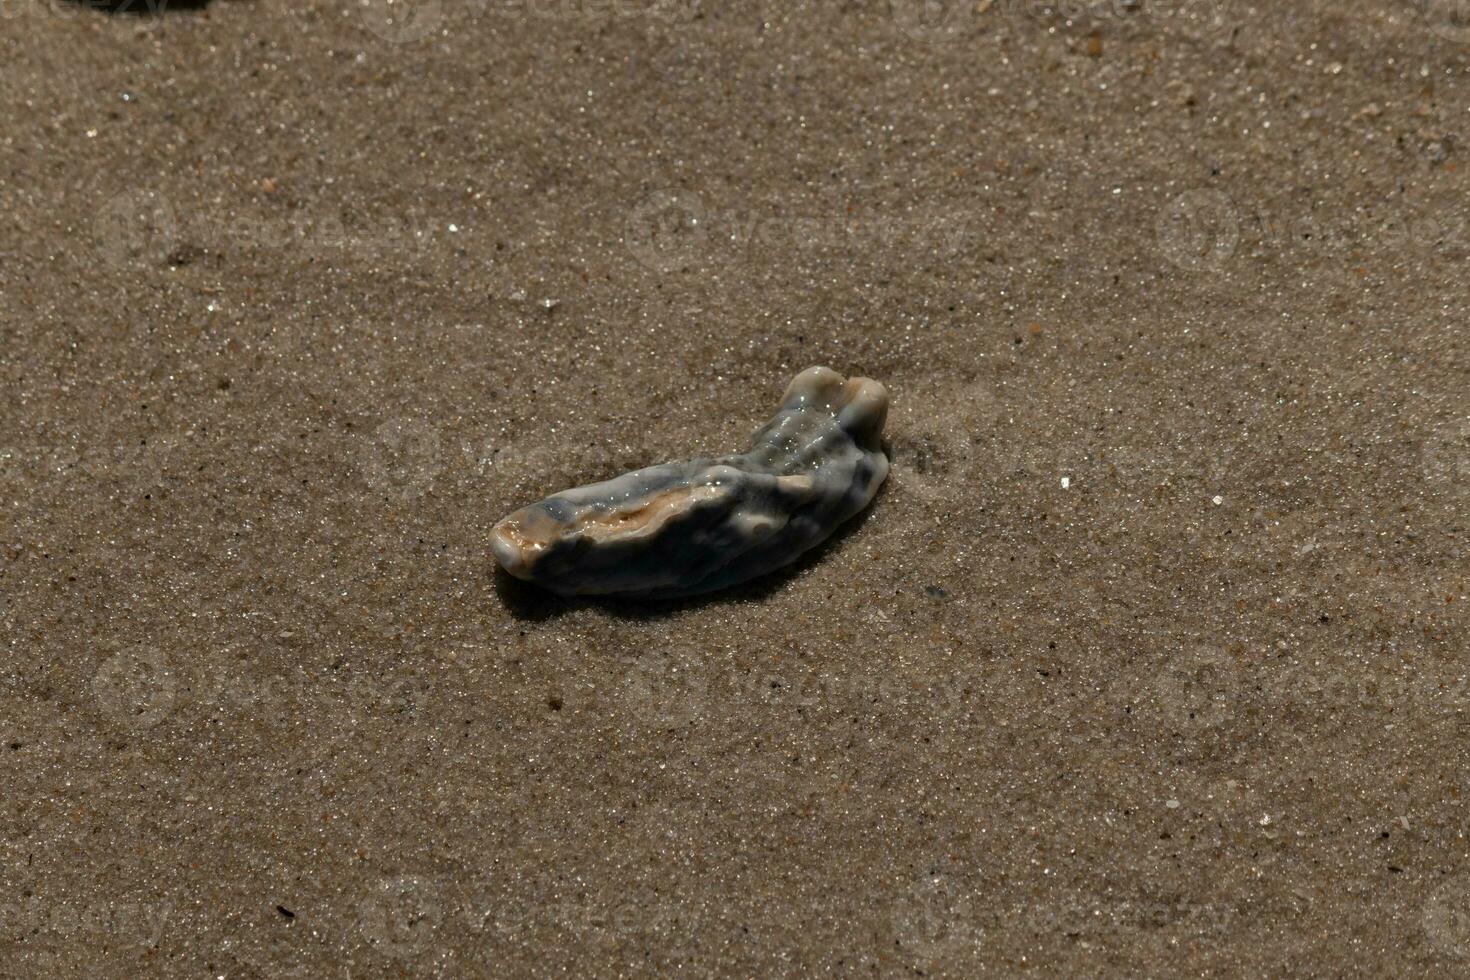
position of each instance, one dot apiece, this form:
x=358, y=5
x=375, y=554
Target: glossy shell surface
x=703, y=524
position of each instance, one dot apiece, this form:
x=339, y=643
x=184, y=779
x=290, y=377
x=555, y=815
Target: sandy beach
x=1149, y=659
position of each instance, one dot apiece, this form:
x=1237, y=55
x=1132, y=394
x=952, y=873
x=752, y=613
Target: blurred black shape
x=141, y=8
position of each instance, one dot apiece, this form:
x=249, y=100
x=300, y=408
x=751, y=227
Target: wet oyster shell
x=703, y=524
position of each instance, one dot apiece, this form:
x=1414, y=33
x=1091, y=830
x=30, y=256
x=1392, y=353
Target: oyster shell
x=703, y=524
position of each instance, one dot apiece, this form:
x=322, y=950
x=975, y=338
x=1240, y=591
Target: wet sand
x=1150, y=659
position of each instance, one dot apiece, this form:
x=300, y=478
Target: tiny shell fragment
x=703, y=524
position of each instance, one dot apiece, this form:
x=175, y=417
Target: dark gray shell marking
x=704, y=524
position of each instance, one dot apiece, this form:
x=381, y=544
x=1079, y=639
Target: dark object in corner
x=141, y=8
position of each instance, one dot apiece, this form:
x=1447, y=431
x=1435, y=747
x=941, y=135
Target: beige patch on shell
x=529, y=529
x=645, y=517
